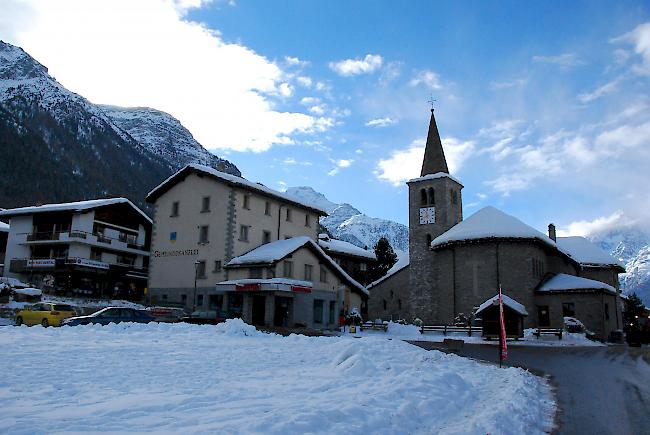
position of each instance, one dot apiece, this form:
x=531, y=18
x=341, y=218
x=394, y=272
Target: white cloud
x=565, y=60
x=426, y=78
x=406, y=164
x=292, y=161
x=342, y=163
x=352, y=67
x=295, y=61
x=148, y=53
x=381, y=122
x=601, y=91
x=624, y=137
x=516, y=83
x=304, y=81
x=640, y=39
x=599, y=225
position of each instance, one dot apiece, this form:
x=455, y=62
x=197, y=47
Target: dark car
x=111, y=315
x=205, y=317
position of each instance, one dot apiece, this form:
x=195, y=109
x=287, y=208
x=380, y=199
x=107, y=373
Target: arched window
x=429, y=240
x=432, y=196
x=423, y=196
x=385, y=304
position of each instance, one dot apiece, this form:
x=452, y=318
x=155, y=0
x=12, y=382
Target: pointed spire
x=434, y=156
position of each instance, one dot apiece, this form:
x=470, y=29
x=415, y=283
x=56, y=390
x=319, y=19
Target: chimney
x=551, y=232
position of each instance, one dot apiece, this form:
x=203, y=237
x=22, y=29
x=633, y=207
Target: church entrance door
x=543, y=317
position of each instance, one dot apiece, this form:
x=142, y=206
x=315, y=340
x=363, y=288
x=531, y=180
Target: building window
x=288, y=215
x=270, y=272
x=243, y=233
x=399, y=304
x=332, y=312
x=385, y=304
x=287, y=269
x=307, y=221
x=175, y=208
x=606, y=311
x=429, y=240
x=391, y=294
x=267, y=208
x=215, y=302
x=454, y=197
x=423, y=197
x=266, y=238
x=200, y=269
x=199, y=301
x=217, y=266
x=183, y=298
x=203, y=234
x=308, y=272
x=255, y=272
x=205, y=204
x=323, y=273
x=568, y=309
x=431, y=196
x=363, y=267
x=164, y=297
x=247, y=201
x=318, y=311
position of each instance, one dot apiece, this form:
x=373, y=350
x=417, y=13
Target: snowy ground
x=180, y=378
x=412, y=332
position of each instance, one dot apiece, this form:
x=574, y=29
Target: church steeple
x=434, y=156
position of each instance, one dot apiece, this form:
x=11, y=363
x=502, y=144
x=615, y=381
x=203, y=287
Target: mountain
x=631, y=246
x=347, y=223
x=57, y=146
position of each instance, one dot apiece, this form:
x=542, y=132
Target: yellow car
x=44, y=313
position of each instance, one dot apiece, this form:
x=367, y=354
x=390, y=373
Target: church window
x=385, y=304
x=399, y=303
x=429, y=240
x=454, y=197
x=432, y=196
x=391, y=294
x=423, y=196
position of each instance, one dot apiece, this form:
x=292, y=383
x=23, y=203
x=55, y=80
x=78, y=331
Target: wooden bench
x=374, y=326
x=548, y=331
x=446, y=329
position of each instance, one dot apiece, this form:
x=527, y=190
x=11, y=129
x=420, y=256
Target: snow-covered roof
x=277, y=281
x=71, y=206
x=586, y=253
x=490, y=223
x=562, y=281
x=4, y=227
x=434, y=176
x=401, y=263
x=275, y=251
x=232, y=179
x=29, y=291
x=507, y=301
x=342, y=247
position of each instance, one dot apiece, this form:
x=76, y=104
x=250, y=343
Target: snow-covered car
x=111, y=315
x=46, y=314
x=571, y=324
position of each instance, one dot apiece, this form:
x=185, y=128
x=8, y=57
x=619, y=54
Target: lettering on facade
x=176, y=253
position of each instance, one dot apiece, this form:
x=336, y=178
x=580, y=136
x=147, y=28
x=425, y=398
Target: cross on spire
x=431, y=100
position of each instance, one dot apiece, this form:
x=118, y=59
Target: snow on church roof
x=507, y=301
x=434, y=176
x=276, y=251
x=585, y=252
x=228, y=178
x=490, y=223
x=4, y=227
x=342, y=247
x=71, y=206
x=562, y=281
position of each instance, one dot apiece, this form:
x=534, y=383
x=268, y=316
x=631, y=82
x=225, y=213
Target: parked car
x=44, y=313
x=111, y=315
x=205, y=317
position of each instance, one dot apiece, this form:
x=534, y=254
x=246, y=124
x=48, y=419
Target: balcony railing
x=130, y=242
x=18, y=265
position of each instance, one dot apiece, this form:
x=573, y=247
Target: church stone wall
x=394, y=292
x=603, y=274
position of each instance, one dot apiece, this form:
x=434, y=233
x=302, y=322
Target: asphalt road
x=600, y=390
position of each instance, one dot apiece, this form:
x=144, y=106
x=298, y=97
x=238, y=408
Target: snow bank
x=181, y=378
x=29, y=291
x=237, y=327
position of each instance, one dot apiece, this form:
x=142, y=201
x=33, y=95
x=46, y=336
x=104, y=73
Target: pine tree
x=634, y=309
x=386, y=258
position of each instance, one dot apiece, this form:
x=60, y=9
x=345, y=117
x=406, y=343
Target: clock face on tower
x=427, y=215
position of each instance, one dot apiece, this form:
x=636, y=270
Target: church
x=455, y=265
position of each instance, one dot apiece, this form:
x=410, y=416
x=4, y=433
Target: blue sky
x=543, y=106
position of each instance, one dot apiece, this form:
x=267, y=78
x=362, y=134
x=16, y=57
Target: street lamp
x=196, y=272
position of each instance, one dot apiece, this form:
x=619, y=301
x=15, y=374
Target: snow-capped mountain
x=632, y=247
x=57, y=146
x=163, y=135
x=347, y=223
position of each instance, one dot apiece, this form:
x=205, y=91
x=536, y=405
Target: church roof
x=490, y=223
x=401, y=263
x=507, y=301
x=434, y=156
x=564, y=282
x=586, y=253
